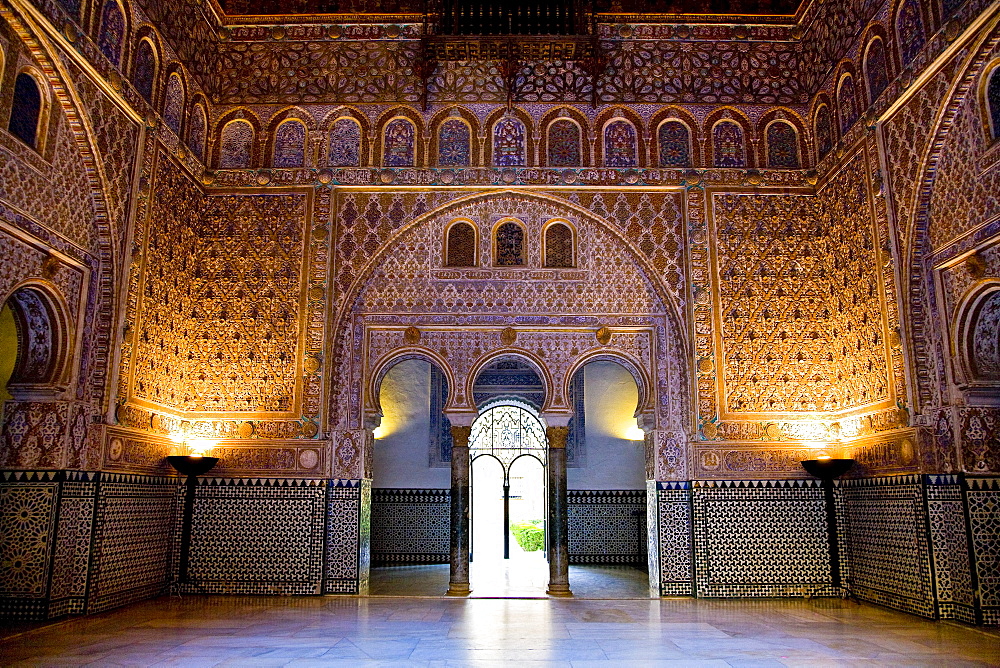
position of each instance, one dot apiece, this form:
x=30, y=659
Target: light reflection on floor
x=440, y=632
x=522, y=576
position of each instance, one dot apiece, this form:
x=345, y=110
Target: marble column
x=558, y=524
x=458, y=582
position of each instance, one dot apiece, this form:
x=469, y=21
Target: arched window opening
x=558, y=246
x=510, y=245
x=876, y=69
x=345, y=144
x=507, y=451
x=144, y=72
x=993, y=102
x=509, y=143
x=197, y=129
x=454, y=143
x=824, y=131
x=847, y=100
x=508, y=430
x=112, y=33
x=289, y=145
x=236, y=145
x=173, y=103
x=399, y=147
x=26, y=109
x=461, y=251
x=782, y=146
x=728, y=147
x=620, y=148
x=564, y=144
x=675, y=144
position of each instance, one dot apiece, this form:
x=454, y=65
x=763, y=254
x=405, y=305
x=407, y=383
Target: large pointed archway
x=603, y=298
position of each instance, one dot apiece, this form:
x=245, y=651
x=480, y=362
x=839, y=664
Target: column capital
x=557, y=437
x=460, y=435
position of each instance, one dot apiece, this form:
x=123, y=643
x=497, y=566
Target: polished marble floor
x=398, y=631
x=522, y=576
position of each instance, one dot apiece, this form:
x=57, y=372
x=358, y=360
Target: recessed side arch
x=41, y=316
x=989, y=105
x=381, y=368
x=979, y=301
x=638, y=371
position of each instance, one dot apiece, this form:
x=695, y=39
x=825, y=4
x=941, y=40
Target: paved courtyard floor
x=413, y=631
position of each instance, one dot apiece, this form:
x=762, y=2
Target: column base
x=560, y=590
x=458, y=589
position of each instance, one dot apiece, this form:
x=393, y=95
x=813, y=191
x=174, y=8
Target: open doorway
x=507, y=450
x=606, y=483
x=410, y=515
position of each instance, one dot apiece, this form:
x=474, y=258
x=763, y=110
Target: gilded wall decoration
x=221, y=319
x=800, y=301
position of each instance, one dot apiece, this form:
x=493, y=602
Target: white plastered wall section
x=612, y=461
x=402, y=454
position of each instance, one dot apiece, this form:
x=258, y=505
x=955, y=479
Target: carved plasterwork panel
x=799, y=304
x=221, y=321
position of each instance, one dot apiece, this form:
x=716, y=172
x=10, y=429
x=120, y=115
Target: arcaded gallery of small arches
x=347, y=299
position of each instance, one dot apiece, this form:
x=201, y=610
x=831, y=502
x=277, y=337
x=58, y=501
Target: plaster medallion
x=411, y=336
x=906, y=452
x=976, y=265
x=308, y=459
x=603, y=336
x=115, y=448
x=710, y=460
x=508, y=336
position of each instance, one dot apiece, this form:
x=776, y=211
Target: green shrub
x=529, y=535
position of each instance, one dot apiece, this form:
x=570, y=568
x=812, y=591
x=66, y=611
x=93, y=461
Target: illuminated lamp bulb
x=379, y=431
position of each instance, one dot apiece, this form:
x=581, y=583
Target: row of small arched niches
x=563, y=142
x=461, y=245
